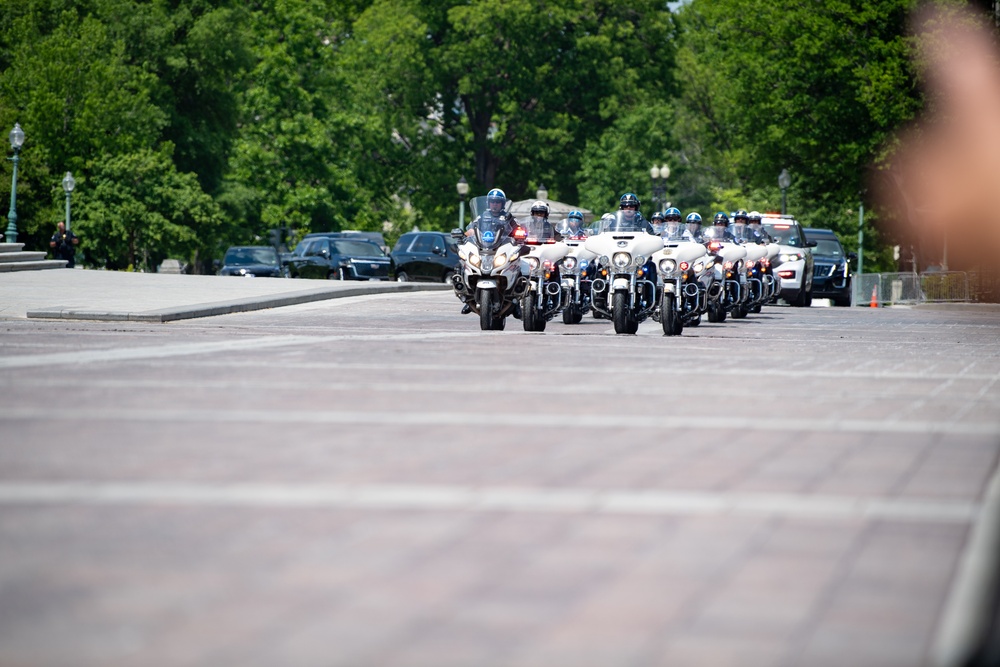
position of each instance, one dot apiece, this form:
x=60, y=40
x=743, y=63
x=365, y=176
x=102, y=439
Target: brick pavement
x=835, y=541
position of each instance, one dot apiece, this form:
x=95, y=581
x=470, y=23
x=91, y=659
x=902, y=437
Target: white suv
x=794, y=262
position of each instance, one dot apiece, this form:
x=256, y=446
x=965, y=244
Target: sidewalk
x=156, y=297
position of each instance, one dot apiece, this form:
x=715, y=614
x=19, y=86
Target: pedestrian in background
x=63, y=244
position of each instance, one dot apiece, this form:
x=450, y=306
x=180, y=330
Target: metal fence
x=885, y=289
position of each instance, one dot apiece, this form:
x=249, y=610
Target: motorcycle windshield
x=480, y=206
x=622, y=221
x=568, y=231
x=537, y=230
x=742, y=234
x=490, y=232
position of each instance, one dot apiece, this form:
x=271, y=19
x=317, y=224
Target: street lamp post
x=463, y=189
x=784, y=180
x=68, y=184
x=659, y=176
x=541, y=192
x=16, y=141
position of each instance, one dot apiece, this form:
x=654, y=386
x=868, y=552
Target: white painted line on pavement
x=401, y=418
x=185, y=349
x=489, y=499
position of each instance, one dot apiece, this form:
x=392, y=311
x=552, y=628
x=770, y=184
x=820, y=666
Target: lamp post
x=68, y=183
x=541, y=193
x=659, y=176
x=463, y=189
x=784, y=180
x=16, y=141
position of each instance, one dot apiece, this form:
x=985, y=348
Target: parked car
x=339, y=258
x=831, y=272
x=253, y=260
x=425, y=257
x=794, y=263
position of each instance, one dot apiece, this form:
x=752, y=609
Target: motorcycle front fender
x=620, y=283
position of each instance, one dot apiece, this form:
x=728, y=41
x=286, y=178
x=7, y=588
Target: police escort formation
x=623, y=268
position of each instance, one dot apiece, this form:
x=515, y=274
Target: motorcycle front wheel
x=669, y=318
x=624, y=323
x=487, y=318
x=571, y=315
x=529, y=313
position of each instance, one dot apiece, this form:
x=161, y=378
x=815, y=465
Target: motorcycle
x=687, y=276
x=544, y=296
x=575, y=269
x=730, y=275
x=490, y=279
x=623, y=290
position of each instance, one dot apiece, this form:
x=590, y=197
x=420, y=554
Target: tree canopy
x=191, y=125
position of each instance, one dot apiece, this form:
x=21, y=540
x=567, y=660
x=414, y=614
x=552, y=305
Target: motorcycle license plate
x=486, y=284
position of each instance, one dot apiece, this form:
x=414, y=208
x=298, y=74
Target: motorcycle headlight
x=533, y=263
x=584, y=264
x=474, y=259
x=667, y=266
x=621, y=260
x=569, y=263
x=462, y=255
x=640, y=260
x=499, y=260
x=699, y=267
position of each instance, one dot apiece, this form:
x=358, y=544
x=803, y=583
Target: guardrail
x=883, y=289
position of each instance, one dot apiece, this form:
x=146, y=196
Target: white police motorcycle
x=490, y=267
x=544, y=296
x=687, y=276
x=575, y=272
x=623, y=291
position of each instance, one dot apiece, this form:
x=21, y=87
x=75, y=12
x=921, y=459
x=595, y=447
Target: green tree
x=137, y=210
x=816, y=89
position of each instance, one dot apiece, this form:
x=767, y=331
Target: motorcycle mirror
x=457, y=233
x=523, y=250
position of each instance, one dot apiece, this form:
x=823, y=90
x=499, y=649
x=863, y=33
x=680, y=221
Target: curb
x=227, y=307
x=961, y=306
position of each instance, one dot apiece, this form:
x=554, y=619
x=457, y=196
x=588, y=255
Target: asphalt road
x=374, y=481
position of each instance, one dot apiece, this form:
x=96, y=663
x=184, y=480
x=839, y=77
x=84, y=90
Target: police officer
x=671, y=224
x=720, y=228
x=692, y=231
x=631, y=219
x=63, y=244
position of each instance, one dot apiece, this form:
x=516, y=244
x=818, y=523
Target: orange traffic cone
x=874, y=303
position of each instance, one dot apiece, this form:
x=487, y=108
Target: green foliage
x=194, y=124
x=138, y=210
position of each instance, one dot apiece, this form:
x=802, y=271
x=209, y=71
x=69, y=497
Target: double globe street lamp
x=659, y=176
x=16, y=141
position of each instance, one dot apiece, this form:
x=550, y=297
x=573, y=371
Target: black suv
x=831, y=274
x=425, y=257
x=339, y=258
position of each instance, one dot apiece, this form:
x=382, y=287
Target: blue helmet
x=741, y=215
x=575, y=214
x=694, y=216
x=721, y=219
x=656, y=216
x=629, y=199
x=672, y=214
x=496, y=195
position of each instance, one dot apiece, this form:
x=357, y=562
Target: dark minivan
x=425, y=257
x=831, y=273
